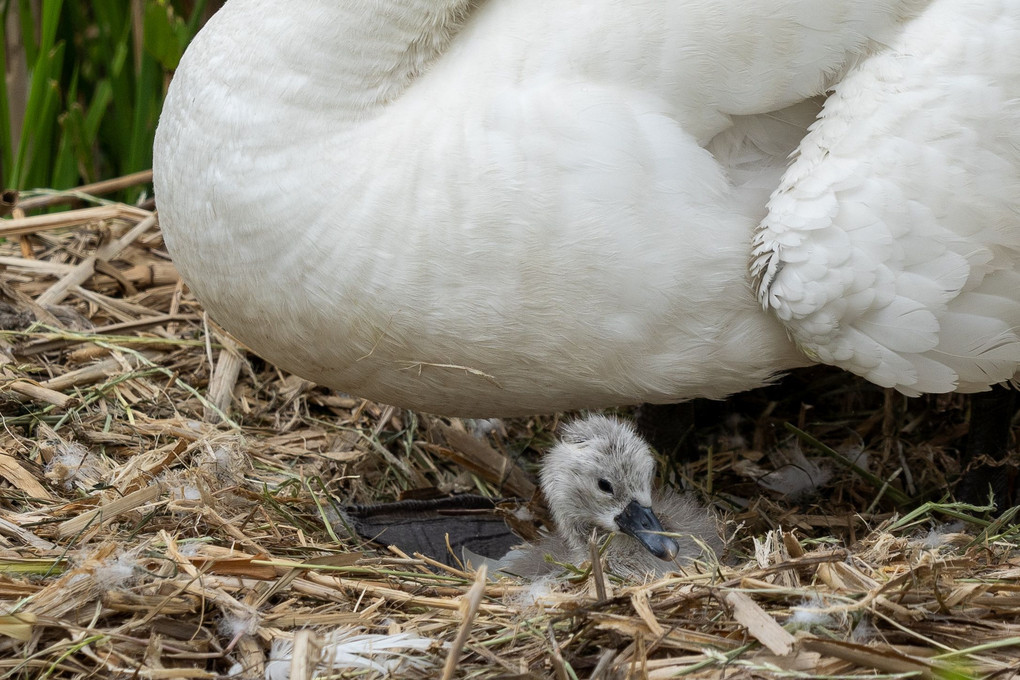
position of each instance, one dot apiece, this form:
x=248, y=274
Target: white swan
x=598, y=479
x=519, y=206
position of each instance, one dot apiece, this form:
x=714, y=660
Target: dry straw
x=169, y=501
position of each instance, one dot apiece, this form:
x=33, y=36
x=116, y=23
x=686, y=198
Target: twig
x=94, y=189
x=87, y=267
x=469, y=607
x=76, y=218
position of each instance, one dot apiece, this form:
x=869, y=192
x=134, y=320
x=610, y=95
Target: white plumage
x=519, y=205
x=891, y=245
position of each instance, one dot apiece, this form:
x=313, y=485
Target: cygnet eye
x=604, y=485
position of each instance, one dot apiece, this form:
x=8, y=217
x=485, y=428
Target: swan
x=598, y=479
x=501, y=208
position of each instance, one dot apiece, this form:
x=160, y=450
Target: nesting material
x=186, y=523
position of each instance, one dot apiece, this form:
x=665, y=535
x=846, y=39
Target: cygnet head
x=599, y=476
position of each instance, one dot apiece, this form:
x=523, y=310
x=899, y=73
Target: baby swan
x=598, y=478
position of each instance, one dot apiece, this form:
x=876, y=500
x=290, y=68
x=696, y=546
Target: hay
x=169, y=510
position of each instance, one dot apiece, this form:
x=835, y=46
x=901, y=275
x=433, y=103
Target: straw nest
x=169, y=502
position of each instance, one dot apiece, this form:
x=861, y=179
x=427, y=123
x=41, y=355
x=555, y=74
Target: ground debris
x=169, y=507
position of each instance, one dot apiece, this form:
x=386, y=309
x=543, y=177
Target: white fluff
x=180, y=486
x=351, y=650
x=238, y=621
x=539, y=591
x=863, y=632
x=117, y=571
x=795, y=475
x=942, y=535
x=811, y=613
x=73, y=466
x=482, y=427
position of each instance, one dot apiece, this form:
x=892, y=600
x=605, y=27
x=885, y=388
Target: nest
x=170, y=502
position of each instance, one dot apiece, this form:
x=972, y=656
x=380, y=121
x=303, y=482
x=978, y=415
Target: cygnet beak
x=640, y=522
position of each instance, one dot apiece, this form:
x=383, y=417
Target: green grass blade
x=50, y=22
x=27, y=21
x=95, y=81
x=36, y=148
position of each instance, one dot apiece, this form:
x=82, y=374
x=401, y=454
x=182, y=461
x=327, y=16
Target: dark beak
x=640, y=522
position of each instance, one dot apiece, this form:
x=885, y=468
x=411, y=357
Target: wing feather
x=892, y=244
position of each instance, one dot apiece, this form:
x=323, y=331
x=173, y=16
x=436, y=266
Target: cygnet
x=599, y=479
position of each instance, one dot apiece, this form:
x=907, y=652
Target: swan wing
x=891, y=246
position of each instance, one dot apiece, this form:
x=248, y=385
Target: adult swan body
x=510, y=206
